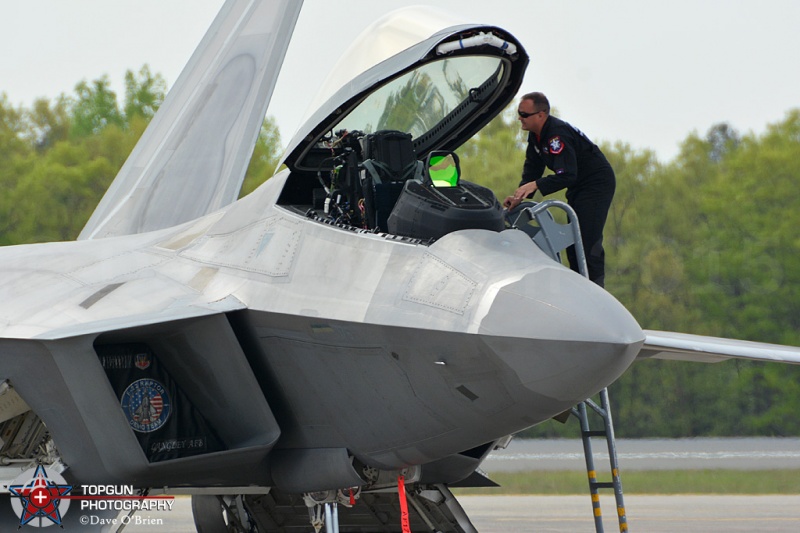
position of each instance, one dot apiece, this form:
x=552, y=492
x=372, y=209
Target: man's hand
x=525, y=190
x=511, y=202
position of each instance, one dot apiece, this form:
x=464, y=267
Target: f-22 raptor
x=365, y=316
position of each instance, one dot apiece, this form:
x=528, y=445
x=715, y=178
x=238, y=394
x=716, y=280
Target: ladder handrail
x=551, y=236
x=604, y=411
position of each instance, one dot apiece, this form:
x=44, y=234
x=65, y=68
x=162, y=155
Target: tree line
x=706, y=243
x=57, y=158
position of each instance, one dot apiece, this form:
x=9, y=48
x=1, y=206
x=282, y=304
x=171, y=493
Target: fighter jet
x=363, y=329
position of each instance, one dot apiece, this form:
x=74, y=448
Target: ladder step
x=608, y=432
x=596, y=433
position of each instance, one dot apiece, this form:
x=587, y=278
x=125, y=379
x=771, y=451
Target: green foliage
x=95, y=108
x=265, y=158
x=16, y=157
x=62, y=190
x=58, y=158
x=646, y=482
x=48, y=124
x=403, y=110
x=143, y=93
x=12, y=131
x=494, y=157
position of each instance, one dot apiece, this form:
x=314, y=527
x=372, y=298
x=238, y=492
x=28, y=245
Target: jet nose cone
x=553, y=302
x=565, y=337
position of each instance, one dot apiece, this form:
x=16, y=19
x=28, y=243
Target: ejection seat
x=389, y=161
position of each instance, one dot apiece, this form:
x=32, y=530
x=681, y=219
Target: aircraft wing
x=193, y=156
x=699, y=348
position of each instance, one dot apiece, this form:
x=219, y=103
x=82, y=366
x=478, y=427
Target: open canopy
x=441, y=90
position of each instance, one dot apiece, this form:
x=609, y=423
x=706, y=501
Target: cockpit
x=379, y=155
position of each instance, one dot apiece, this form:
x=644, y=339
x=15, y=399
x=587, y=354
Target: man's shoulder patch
x=555, y=144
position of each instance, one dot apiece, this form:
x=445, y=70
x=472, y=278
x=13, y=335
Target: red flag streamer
x=401, y=491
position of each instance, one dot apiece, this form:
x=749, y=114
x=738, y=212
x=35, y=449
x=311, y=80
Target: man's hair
x=540, y=102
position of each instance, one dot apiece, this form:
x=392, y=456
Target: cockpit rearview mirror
x=443, y=169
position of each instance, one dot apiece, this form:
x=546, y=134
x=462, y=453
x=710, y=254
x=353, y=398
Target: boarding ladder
x=553, y=237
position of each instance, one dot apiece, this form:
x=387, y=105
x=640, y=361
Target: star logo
x=39, y=497
x=556, y=146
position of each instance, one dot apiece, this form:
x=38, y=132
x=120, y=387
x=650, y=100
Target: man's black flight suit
x=581, y=168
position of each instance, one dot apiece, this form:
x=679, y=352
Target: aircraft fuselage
x=398, y=351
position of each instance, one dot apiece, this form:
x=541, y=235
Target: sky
x=644, y=73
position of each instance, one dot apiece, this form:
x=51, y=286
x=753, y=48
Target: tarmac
x=748, y=453
x=645, y=513
x=573, y=514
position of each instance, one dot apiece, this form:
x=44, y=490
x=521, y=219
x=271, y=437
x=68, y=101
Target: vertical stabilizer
x=192, y=158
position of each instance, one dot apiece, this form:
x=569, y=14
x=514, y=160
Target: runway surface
x=572, y=514
x=650, y=454
x=645, y=513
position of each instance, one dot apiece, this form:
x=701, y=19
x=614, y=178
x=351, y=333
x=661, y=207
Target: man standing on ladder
x=578, y=165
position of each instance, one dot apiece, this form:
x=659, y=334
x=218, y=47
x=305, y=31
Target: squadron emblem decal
x=142, y=361
x=555, y=145
x=146, y=405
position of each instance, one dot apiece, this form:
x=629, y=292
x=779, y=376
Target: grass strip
x=647, y=482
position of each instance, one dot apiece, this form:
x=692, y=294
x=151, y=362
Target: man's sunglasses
x=523, y=114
